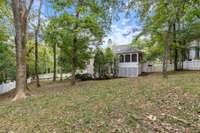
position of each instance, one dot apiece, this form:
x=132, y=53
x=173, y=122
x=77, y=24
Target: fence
x=191, y=65
x=187, y=65
x=6, y=87
x=146, y=67
x=49, y=76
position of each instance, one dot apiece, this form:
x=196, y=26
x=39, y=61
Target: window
x=121, y=58
x=127, y=58
x=134, y=57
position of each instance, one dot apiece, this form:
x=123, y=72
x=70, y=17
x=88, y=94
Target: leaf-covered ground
x=145, y=104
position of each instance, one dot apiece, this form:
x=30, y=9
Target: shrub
x=84, y=77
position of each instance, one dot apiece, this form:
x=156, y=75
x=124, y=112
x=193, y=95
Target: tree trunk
x=20, y=13
x=54, y=62
x=61, y=74
x=74, y=62
x=74, y=49
x=36, y=45
x=166, y=51
x=175, y=48
x=36, y=61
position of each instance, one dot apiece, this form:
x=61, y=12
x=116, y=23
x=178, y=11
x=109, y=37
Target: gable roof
x=119, y=49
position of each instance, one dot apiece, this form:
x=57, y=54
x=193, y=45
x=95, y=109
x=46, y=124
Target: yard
x=145, y=104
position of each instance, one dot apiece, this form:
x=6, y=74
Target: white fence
x=6, y=87
x=146, y=67
x=191, y=65
x=187, y=65
x=49, y=76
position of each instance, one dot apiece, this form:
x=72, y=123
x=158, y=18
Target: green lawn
x=145, y=104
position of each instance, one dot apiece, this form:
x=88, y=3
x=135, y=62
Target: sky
x=123, y=30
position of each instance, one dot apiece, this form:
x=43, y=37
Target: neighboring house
x=194, y=51
x=192, y=61
x=129, y=61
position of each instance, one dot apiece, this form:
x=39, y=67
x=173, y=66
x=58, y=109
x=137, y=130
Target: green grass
x=143, y=104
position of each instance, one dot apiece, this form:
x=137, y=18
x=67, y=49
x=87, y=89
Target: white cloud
x=120, y=34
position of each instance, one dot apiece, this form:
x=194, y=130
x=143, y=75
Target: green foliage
x=7, y=62
x=104, y=63
x=99, y=62
x=45, y=58
x=152, y=48
x=79, y=25
x=157, y=16
x=109, y=56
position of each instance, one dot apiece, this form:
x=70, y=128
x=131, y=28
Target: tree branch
x=29, y=7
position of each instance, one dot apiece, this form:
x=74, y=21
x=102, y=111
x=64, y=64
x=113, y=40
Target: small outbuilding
x=129, y=61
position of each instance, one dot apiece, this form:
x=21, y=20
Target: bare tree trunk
x=61, y=74
x=20, y=12
x=175, y=49
x=54, y=62
x=166, y=51
x=74, y=62
x=36, y=45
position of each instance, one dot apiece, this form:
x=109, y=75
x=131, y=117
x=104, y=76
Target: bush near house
x=84, y=77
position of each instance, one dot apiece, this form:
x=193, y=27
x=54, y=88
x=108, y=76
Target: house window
x=127, y=58
x=121, y=58
x=134, y=57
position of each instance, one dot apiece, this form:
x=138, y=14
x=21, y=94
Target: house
x=129, y=61
x=193, y=51
x=192, y=61
x=128, y=64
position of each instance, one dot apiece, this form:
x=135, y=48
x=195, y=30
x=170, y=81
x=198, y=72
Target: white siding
x=130, y=69
x=90, y=67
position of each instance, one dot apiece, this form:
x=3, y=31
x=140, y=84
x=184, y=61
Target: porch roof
x=123, y=49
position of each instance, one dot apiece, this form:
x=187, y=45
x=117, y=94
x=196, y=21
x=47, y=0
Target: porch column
x=138, y=58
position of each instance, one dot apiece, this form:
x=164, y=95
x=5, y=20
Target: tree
x=7, y=55
x=52, y=38
x=7, y=64
x=84, y=25
x=168, y=20
x=109, y=59
x=99, y=63
x=20, y=12
x=36, y=43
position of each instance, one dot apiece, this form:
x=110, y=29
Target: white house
x=192, y=61
x=194, y=50
x=129, y=61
